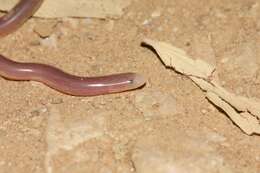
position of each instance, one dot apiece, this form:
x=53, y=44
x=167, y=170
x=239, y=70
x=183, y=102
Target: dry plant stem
x=51, y=76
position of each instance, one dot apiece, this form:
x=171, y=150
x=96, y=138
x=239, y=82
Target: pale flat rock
x=68, y=129
x=201, y=47
x=175, y=152
x=78, y=8
x=244, y=63
x=45, y=28
x=154, y=103
x=67, y=132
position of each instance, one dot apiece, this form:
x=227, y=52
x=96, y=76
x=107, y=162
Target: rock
x=202, y=49
x=175, y=152
x=242, y=64
x=45, y=28
x=110, y=25
x=246, y=64
x=68, y=128
x=155, y=104
x=66, y=131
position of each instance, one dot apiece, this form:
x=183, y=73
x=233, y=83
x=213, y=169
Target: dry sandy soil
x=166, y=126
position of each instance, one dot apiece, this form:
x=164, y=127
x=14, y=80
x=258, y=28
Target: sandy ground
x=166, y=126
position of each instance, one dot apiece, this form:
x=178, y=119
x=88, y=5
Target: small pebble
x=146, y=22
x=156, y=14
x=50, y=42
x=204, y=111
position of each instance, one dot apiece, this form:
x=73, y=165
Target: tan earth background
x=168, y=126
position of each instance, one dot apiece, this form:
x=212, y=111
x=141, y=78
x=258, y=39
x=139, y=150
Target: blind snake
x=52, y=76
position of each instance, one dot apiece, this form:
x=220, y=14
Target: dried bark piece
x=244, y=120
x=244, y=112
x=242, y=104
x=178, y=59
